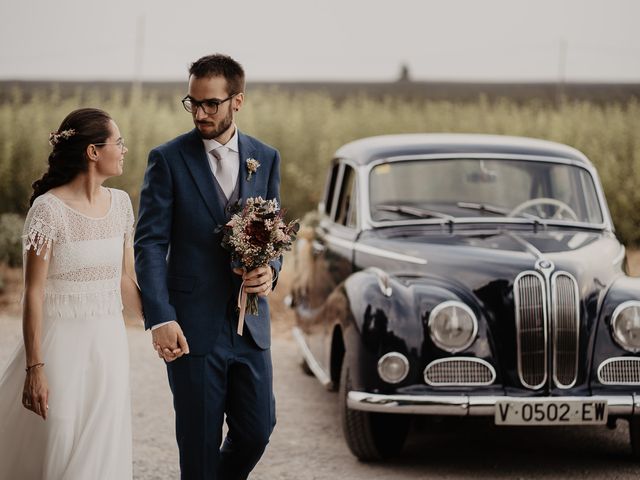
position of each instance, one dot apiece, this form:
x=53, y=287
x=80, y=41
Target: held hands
x=169, y=341
x=35, y=394
x=257, y=281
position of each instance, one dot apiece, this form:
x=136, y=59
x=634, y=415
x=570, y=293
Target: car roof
x=366, y=150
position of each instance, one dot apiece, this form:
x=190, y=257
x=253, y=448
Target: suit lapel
x=246, y=150
x=197, y=163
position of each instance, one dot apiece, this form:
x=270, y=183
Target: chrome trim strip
x=516, y=297
x=389, y=254
x=460, y=384
x=554, y=317
x=379, y=252
x=313, y=364
x=340, y=242
x=528, y=245
x=468, y=405
x=616, y=359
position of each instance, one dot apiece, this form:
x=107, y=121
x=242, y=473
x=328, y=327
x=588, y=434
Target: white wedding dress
x=87, y=434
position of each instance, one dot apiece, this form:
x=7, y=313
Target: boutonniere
x=252, y=167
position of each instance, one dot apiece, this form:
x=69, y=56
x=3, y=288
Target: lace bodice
x=85, y=252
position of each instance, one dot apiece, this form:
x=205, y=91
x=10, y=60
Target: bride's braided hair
x=79, y=129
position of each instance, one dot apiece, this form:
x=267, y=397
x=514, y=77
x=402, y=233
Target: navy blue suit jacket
x=183, y=272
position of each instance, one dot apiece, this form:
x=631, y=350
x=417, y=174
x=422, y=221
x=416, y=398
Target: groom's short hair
x=220, y=65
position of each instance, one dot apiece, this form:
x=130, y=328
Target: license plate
x=551, y=412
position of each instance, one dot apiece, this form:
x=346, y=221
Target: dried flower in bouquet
x=256, y=235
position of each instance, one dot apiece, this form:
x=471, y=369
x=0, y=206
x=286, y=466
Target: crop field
x=307, y=123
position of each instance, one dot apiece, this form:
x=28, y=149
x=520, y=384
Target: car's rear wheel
x=634, y=434
x=370, y=436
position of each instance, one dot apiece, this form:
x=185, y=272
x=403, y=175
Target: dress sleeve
x=40, y=232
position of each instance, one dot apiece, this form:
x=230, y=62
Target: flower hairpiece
x=252, y=167
x=55, y=137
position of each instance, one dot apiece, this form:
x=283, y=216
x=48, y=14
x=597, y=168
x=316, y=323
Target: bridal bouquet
x=256, y=235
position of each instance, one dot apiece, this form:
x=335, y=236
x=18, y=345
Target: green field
x=307, y=127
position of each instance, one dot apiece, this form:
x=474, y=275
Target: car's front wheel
x=370, y=436
x=634, y=434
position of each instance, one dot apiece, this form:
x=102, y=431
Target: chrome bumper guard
x=463, y=405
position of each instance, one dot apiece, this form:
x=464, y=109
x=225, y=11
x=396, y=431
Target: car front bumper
x=464, y=405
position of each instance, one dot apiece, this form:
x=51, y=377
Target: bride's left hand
x=35, y=395
x=258, y=280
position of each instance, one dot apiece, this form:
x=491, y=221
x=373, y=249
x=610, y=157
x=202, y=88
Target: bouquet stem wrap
x=246, y=302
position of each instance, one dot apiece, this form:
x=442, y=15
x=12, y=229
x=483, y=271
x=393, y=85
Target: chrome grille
x=459, y=371
x=620, y=371
x=565, y=318
x=531, y=328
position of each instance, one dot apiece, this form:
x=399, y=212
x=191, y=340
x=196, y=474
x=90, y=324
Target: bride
x=64, y=396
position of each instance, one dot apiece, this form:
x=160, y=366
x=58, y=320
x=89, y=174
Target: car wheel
x=371, y=436
x=634, y=434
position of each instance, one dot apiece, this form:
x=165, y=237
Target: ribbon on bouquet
x=242, y=305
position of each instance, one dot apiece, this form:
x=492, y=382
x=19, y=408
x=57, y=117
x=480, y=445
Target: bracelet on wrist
x=35, y=365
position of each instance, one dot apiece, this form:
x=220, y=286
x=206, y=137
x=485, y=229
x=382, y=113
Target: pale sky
x=342, y=40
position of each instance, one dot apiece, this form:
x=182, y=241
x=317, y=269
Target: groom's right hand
x=169, y=341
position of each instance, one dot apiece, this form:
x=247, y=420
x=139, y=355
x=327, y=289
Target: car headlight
x=452, y=326
x=625, y=325
x=393, y=367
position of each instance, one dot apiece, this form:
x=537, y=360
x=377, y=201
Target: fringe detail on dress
x=37, y=241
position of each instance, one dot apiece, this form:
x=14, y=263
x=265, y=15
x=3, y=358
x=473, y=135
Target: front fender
x=391, y=314
x=605, y=347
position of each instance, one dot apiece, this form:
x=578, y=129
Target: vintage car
x=468, y=275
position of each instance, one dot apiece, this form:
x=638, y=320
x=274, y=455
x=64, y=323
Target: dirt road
x=308, y=444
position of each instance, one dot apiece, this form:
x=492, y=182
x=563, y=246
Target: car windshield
x=463, y=188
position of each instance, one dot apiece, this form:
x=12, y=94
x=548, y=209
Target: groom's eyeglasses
x=209, y=106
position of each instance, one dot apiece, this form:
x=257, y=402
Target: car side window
x=346, y=211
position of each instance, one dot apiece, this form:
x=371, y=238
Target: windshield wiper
x=414, y=211
x=483, y=207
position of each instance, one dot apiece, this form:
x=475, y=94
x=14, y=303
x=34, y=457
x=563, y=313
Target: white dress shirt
x=230, y=155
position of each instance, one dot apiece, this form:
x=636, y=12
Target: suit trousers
x=235, y=379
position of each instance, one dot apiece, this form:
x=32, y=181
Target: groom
x=189, y=289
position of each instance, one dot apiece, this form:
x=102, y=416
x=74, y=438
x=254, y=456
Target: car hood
x=475, y=259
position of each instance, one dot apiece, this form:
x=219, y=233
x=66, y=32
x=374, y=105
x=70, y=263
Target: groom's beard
x=222, y=127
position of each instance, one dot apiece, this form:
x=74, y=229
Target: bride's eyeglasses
x=119, y=142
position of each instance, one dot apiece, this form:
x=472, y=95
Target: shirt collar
x=232, y=144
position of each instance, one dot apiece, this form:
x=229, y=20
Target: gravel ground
x=308, y=444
